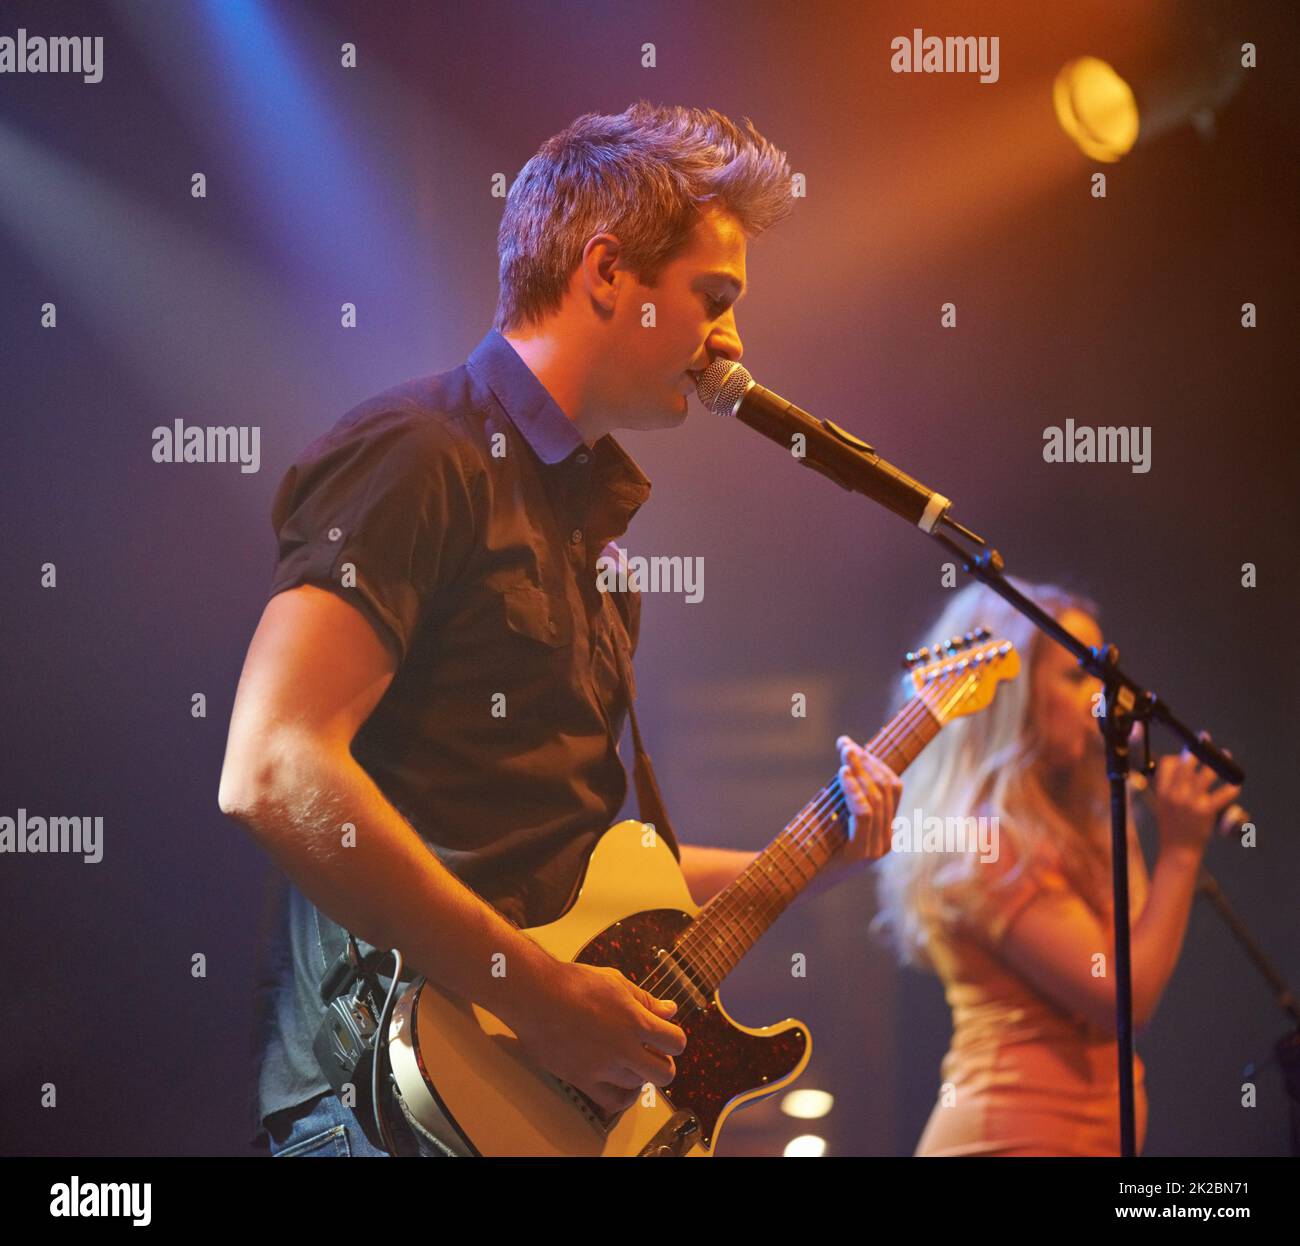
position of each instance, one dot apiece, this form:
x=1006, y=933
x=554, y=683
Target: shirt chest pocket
x=535, y=615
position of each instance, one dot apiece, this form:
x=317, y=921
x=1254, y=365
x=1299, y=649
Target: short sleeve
x=1005, y=888
x=377, y=512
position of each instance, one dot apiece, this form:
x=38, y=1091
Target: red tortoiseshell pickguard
x=720, y=1060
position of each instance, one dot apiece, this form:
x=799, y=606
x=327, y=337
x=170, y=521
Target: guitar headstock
x=960, y=675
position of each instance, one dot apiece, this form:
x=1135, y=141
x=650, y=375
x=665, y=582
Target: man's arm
x=315, y=670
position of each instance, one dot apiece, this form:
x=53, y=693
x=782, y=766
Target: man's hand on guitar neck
x=872, y=791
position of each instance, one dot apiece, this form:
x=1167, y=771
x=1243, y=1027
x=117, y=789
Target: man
x=425, y=732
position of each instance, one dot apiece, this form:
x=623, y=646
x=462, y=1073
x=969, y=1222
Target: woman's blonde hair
x=982, y=765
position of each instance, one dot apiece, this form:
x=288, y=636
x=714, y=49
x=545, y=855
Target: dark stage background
x=373, y=186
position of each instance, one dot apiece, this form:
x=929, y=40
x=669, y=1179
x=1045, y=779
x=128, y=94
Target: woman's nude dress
x=1021, y=1077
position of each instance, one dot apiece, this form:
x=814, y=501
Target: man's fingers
x=663, y=1036
x=887, y=779
x=864, y=764
x=664, y=1006
x=615, y=1098
x=866, y=773
x=858, y=790
x=872, y=791
x=657, y=1069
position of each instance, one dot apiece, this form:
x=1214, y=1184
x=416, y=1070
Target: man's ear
x=599, y=268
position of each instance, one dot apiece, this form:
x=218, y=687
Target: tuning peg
x=982, y=633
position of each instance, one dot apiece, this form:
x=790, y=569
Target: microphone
x=727, y=389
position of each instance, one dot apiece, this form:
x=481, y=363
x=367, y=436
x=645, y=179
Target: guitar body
x=467, y=1080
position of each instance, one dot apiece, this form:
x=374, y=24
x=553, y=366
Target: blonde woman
x=1023, y=943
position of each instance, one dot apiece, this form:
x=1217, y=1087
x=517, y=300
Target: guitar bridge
x=592, y=1112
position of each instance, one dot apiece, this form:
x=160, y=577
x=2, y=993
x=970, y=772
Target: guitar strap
x=650, y=801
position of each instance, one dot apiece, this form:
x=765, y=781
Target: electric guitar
x=465, y=1076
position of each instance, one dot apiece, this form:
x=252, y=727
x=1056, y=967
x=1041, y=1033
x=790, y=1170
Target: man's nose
x=724, y=342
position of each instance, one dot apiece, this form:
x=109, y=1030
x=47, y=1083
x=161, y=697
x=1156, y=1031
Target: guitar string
x=803, y=840
x=791, y=844
x=810, y=821
x=803, y=831
x=806, y=826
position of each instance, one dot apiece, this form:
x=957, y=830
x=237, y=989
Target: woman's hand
x=1185, y=807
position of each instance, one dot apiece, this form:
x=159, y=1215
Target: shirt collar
x=552, y=436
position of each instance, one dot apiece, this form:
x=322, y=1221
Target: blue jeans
x=324, y=1128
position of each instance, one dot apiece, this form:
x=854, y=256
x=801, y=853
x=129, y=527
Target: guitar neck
x=734, y=920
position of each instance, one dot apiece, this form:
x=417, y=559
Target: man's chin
x=667, y=416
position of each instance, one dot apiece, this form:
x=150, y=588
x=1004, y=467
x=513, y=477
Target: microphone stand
x=728, y=390
x=1126, y=704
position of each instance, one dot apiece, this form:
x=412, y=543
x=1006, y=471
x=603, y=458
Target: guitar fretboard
x=734, y=920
